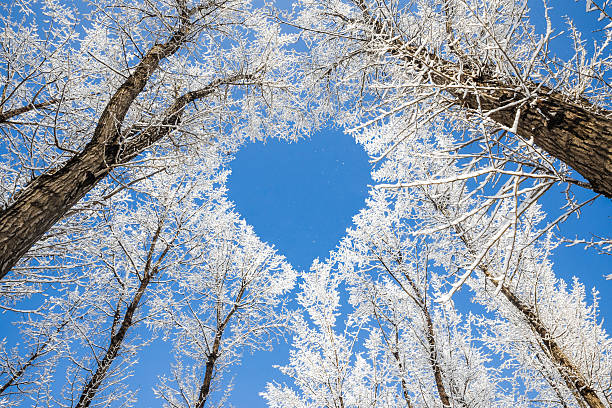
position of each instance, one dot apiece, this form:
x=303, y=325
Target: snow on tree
x=118, y=119
x=478, y=71
x=227, y=302
x=94, y=88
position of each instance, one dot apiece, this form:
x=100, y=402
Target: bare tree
x=230, y=302
x=480, y=67
x=159, y=73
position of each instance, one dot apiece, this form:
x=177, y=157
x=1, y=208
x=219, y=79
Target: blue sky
x=301, y=197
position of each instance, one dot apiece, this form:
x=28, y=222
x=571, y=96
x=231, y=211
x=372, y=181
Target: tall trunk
x=91, y=388
x=433, y=360
x=49, y=196
x=432, y=349
x=571, y=374
x=208, y=373
x=580, y=135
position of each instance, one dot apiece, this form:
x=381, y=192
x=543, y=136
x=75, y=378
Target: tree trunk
x=571, y=374
x=208, y=373
x=431, y=347
x=91, y=388
x=49, y=196
x=580, y=136
x=565, y=130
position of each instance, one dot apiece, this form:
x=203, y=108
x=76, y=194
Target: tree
x=392, y=283
x=91, y=321
x=500, y=239
x=378, y=353
x=118, y=80
x=537, y=343
x=478, y=66
x=228, y=303
x=117, y=123
x=324, y=365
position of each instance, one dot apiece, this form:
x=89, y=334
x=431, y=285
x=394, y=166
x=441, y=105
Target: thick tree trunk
x=565, y=130
x=45, y=200
x=577, y=135
x=49, y=196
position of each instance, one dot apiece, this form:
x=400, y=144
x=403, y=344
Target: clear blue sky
x=301, y=197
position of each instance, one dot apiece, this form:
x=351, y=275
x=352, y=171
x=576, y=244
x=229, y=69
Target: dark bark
x=575, y=132
x=116, y=341
x=50, y=196
x=208, y=373
x=118, y=336
x=11, y=113
x=565, y=130
x=571, y=375
x=214, y=352
x=431, y=342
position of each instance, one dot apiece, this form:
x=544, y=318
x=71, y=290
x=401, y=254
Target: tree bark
x=214, y=352
x=571, y=374
x=208, y=373
x=116, y=339
x=579, y=135
x=49, y=196
x=431, y=347
x=9, y=114
x=91, y=388
x=431, y=343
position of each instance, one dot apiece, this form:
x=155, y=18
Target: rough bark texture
x=580, y=135
x=49, y=196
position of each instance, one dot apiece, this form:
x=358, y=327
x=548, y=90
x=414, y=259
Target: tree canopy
x=118, y=123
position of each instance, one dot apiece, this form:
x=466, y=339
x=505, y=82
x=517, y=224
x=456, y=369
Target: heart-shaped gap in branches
x=301, y=196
